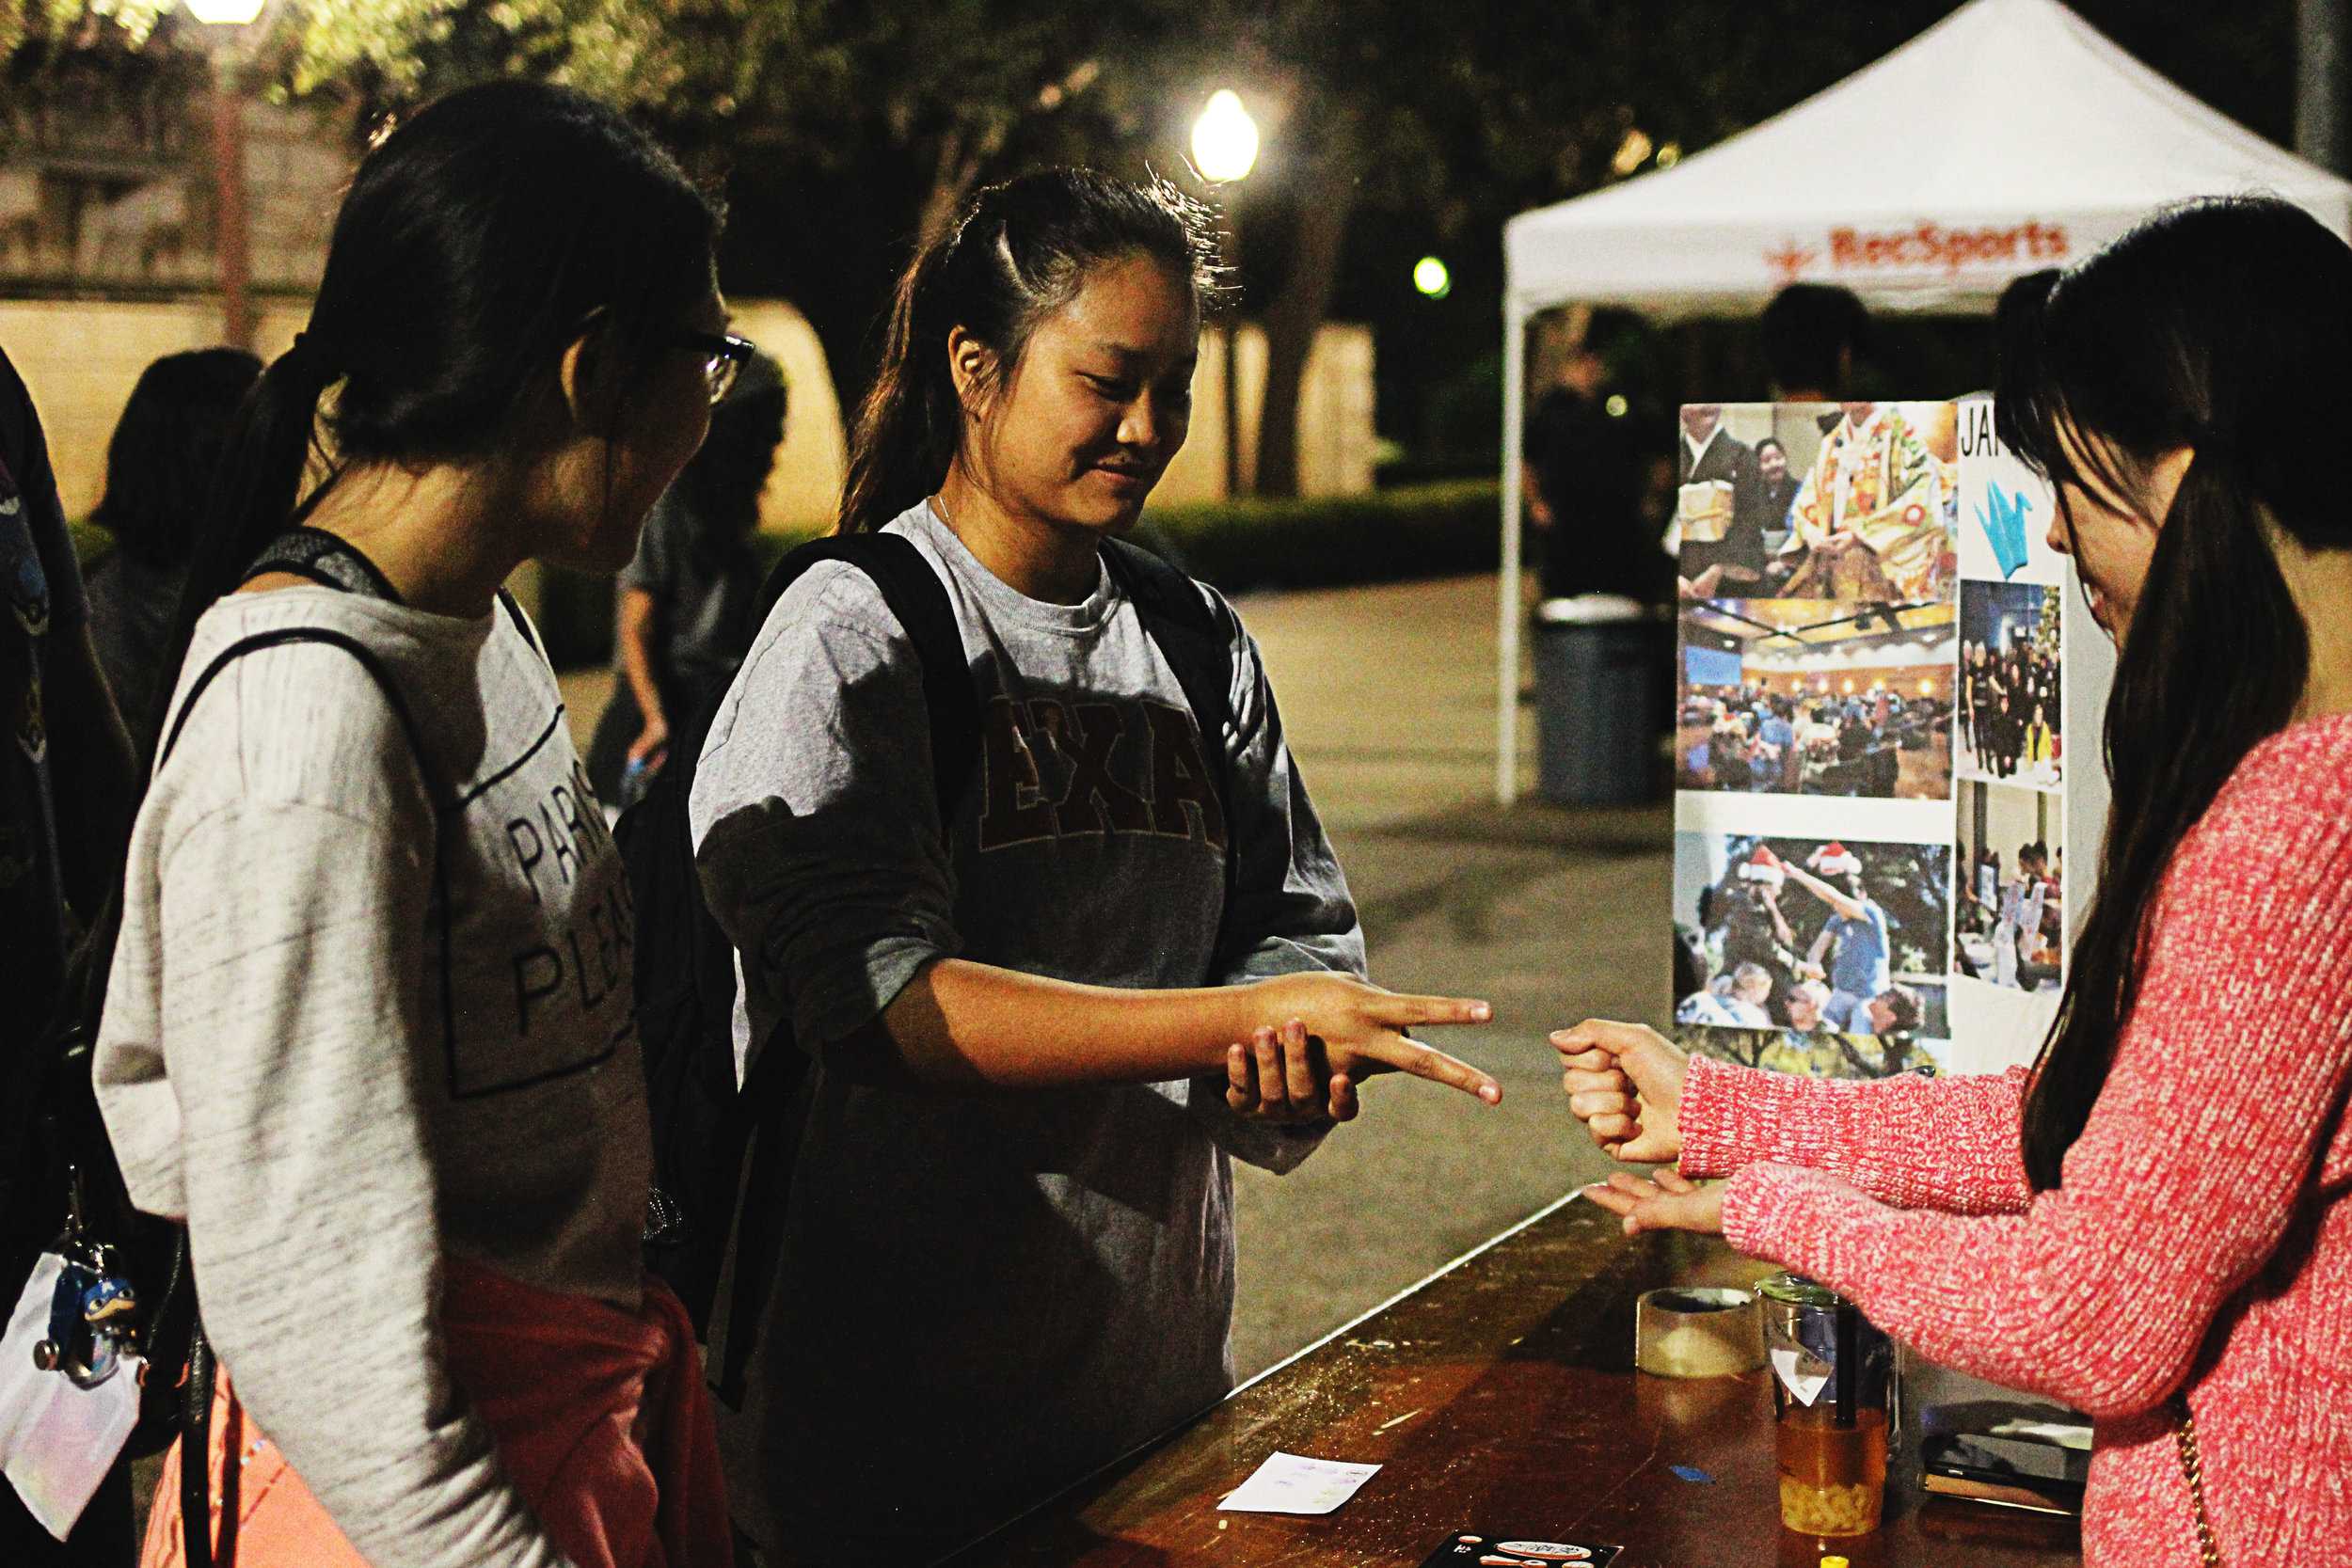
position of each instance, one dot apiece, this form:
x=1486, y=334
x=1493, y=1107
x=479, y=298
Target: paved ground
x=1387, y=696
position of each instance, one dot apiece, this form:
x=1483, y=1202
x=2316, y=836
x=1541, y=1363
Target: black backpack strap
x=326, y=558
x=522, y=622
x=763, y=1115
x=331, y=561
x=911, y=587
x=284, y=635
x=1196, y=636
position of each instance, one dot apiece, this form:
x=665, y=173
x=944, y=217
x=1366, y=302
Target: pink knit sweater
x=2202, y=1236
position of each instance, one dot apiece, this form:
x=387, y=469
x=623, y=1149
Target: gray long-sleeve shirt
x=368, y=1010
x=982, y=1296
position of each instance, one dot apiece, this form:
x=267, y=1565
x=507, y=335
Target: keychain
x=93, y=1311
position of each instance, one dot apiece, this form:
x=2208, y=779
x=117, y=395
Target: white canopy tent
x=2009, y=137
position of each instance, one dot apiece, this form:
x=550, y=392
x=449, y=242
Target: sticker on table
x=1289, y=1483
x=1471, y=1549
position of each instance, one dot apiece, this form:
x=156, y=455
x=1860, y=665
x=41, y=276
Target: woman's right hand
x=1624, y=1081
x=1364, y=1029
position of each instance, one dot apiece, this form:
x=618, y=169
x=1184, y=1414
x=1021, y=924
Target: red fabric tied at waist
x=601, y=1420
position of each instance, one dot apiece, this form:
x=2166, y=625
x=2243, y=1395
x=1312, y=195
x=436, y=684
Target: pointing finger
x=1422, y=1061
x=1406, y=1011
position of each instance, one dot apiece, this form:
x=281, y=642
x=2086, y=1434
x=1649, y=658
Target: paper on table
x=1287, y=1483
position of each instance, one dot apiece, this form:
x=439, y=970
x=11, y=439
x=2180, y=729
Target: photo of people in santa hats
x=1825, y=955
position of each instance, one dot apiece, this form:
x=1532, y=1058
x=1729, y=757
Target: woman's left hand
x=1283, y=1076
x=1664, y=1201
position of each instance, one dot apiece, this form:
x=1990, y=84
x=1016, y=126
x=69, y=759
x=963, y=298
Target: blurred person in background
x=684, y=613
x=1587, y=474
x=1813, y=334
x=159, y=469
x=66, y=787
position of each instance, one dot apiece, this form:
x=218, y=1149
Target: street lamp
x=1224, y=139
x=226, y=20
x=1225, y=149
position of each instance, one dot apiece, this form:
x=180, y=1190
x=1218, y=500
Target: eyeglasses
x=723, y=358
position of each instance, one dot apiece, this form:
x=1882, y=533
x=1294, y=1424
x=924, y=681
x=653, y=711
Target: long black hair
x=1021, y=251
x=477, y=241
x=2223, y=326
x=165, y=448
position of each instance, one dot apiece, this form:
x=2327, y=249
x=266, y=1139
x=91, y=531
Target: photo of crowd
x=1805, y=941
x=2008, y=926
x=2010, y=718
x=1813, y=697
x=1845, y=500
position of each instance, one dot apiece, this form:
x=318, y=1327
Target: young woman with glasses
x=369, y=1029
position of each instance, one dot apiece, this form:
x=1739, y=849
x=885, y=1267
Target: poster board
x=1879, y=667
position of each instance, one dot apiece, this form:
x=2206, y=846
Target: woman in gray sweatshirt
x=1008, y=1250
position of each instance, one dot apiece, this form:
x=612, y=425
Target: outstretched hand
x=1362, y=1029
x=1663, y=1201
x=1624, y=1081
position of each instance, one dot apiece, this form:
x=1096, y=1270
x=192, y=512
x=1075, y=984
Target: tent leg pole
x=1508, y=614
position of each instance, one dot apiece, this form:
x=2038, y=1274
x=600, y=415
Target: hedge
x=1419, y=530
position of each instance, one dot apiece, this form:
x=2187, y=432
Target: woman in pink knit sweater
x=2154, y=1223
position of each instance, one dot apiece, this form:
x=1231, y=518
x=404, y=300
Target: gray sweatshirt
x=365, y=1014
x=982, y=1296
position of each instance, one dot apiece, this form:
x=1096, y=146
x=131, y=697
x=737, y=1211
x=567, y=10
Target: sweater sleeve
x=2204, y=1145
x=1916, y=1143
x=815, y=816
x=293, y=1002
x=1291, y=912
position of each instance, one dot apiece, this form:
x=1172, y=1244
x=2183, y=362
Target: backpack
x=703, y=1124
x=75, y=1182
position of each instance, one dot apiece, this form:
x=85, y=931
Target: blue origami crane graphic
x=2005, y=528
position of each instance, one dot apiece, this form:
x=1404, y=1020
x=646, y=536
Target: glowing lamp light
x=1926, y=688
x=1616, y=405
x=225, y=14
x=1850, y=688
x=1224, y=139
x=1431, y=278
x=1632, y=152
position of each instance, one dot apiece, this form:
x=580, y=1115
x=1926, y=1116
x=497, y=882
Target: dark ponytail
x=2222, y=326
x=1021, y=251
x=477, y=242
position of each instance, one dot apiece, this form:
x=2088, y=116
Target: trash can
x=1601, y=701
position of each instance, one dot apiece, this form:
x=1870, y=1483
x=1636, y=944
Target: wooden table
x=1499, y=1395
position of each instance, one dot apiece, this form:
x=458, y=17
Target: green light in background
x=1616, y=405
x=1431, y=278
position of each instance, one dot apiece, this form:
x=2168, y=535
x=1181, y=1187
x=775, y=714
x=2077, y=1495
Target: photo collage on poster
x=1821, y=638
x=2033, y=671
